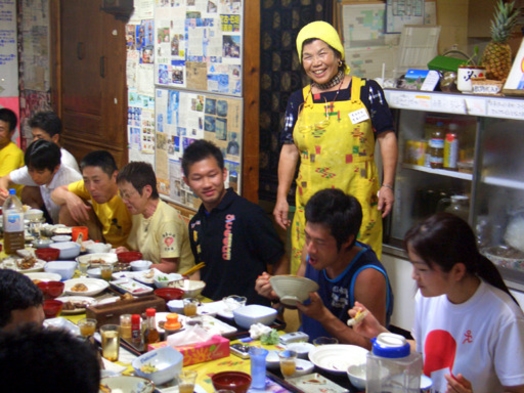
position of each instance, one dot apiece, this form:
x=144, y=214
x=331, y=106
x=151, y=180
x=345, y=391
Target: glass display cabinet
x=487, y=185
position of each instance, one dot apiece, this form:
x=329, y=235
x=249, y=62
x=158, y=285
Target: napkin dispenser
x=110, y=312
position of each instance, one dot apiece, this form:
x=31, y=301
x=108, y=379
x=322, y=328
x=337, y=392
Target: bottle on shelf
x=151, y=335
x=451, y=148
x=13, y=221
x=436, y=147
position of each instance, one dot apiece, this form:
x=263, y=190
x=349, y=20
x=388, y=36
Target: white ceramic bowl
x=140, y=265
x=128, y=384
x=254, y=313
x=292, y=289
x=176, y=305
x=68, y=250
x=191, y=288
x=42, y=243
x=272, y=360
x=166, y=360
x=33, y=214
x=163, y=280
x=336, y=358
x=302, y=349
x=66, y=269
x=303, y=367
x=106, y=258
x=98, y=248
x=61, y=238
x=94, y=272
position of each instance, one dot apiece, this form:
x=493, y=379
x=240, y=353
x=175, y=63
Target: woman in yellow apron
x=331, y=125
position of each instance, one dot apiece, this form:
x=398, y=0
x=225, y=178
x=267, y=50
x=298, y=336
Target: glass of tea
x=110, y=341
x=87, y=327
x=190, y=307
x=288, y=364
x=186, y=381
x=106, y=271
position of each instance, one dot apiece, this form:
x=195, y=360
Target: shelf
x=508, y=183
x=440, y=172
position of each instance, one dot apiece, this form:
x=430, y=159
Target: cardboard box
x=110, y=312
x=215, y=348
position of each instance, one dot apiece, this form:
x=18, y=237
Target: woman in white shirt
x=468, y=326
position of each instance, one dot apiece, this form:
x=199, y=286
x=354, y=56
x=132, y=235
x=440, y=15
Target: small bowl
x=94, y=273
x=169, y=294
x=98, y=248
x=167, y=361
x=302, y=349
x=51, y=289
x=176, y=305
x=42, y=243
x=357, y=375
x=140, y=265
x=129, y=256
x=191, y=288
x=128, y=384
x=163, y=280
x=303, y=367
x=236, y=381
x=33, y=214
x=52, y=308
x=292, y=289
x=47, y=254
x=61, y=238
x=66, y=269
x=68, y=250
x=254, y=313
x=272, y=360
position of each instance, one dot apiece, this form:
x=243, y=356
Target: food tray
x=131, y=286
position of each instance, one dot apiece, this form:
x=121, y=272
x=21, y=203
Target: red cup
x=47, y=254
x=75, y=231
x=52, y=308
x=129, y=256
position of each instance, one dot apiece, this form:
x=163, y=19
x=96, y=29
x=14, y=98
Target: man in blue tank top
x=345, y=269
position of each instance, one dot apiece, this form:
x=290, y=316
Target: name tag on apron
x=358, y=116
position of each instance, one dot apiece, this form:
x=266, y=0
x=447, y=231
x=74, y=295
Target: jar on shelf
x=459, y=206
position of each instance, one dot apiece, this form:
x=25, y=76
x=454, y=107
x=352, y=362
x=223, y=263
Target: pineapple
x=497, y=55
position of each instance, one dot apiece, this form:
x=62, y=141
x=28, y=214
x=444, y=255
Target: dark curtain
x=281, y=74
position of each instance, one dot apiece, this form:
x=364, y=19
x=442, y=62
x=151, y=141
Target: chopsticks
x=194, y=269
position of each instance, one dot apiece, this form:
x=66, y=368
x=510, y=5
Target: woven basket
x=486, y=86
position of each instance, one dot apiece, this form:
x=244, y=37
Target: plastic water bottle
x=391, y=367
x=13, y=216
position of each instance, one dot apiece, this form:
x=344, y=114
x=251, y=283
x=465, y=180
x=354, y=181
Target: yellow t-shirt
x=11, y=158
x=163, y=235
x=113, y=215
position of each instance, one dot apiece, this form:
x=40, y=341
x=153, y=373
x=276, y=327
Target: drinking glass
x=288, y=365
x=110, y=341
x=258, y=367
x=83, y=266
x=324, y=341
x=186, y=381
x=106, y=270
x=233, y=302
x=87, y=327
x=190, y=307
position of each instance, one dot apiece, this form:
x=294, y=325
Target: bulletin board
x=371, y=49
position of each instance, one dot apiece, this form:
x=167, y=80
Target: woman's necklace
x=332, y=83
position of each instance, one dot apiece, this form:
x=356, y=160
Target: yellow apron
x=335, y=153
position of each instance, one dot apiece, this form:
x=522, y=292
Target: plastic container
x=451, y=148
x=436, y=147
x=459, y=206
x=13, y=221
x=392, y=353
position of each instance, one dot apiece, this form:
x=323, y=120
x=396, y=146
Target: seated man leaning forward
x=11, y=157
x=158, y=231
x=43, y=169
x=344, y=269
x=94, y=201
x=21, y=301
x=234, y=237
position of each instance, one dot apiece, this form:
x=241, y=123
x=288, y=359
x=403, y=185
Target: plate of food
x=24, y=265
x=37, y=277
x=85, y=286
x=75, y=304
x=131, y=286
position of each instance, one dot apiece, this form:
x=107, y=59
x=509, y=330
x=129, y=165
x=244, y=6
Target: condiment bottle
x=151, y=335
x=125, y=326
x=451, y=147
x=172, y=323
x=13, y=216
x=137, y=339
x=436, y=147
x=391, y=367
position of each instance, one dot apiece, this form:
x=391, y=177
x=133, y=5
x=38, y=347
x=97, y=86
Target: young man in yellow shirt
x=11, y=157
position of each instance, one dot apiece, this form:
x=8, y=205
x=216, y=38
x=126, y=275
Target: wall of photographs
x=184, y=80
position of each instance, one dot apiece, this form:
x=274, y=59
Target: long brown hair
x=445, y=240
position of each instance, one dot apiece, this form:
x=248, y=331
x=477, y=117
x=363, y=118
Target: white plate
x=212, y=308
x=62, y=323
x=106, y=300
x=43, y=276
x=314, y=383
x=94, y=273
x=108, y=257
x=128, y=384
x=131, y=286
x=38, y=266
x=336, y=358
x=75, y=299
x=94, y=286
x=209, y=323
x=61, y=230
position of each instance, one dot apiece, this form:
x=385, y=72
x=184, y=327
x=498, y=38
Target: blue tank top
x=338, y=293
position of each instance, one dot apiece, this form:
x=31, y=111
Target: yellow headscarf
x=322, y=31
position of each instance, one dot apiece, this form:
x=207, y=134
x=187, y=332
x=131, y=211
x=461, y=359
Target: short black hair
x=42, y=154
x=17, y=292
x=58, y=362
x=139, y=174
x=200, y=150
x=339, y=212
x=47, y=121
x=102, y=159
x=9, y=117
